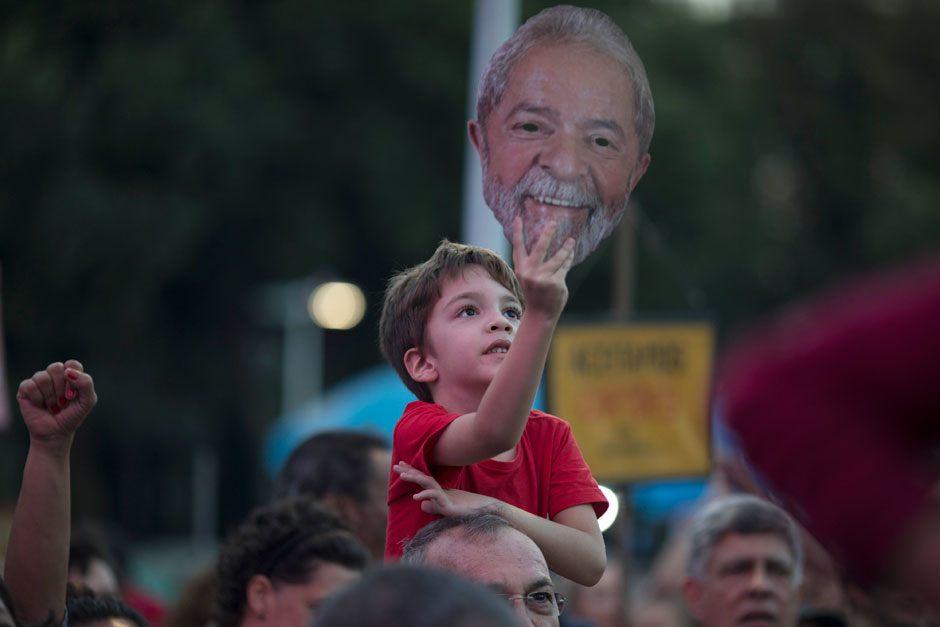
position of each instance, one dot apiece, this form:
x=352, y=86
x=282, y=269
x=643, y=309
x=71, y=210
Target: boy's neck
x=458, y=401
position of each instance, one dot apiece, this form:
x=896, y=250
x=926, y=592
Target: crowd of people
x=482, y=511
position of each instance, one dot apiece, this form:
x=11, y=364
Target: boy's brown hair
x=412, y=294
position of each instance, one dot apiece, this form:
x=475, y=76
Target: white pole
x=302, y=357
x=494, y=21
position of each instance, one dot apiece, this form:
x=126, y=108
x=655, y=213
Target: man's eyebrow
x=528, y=107
x=498, y=588
x=737, y=561
x=610, y=125
x=541, y=582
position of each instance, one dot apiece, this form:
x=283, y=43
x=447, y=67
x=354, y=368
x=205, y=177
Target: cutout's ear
x=259, y=596
x=476, y=138
x=692, y=594
x=420, y=367
x=639, y=170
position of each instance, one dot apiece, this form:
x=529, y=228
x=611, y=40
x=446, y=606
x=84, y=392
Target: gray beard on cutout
x=507, y=203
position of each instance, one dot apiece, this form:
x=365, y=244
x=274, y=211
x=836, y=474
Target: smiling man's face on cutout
x=562, y=146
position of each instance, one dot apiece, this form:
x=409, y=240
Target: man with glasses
x=486, y=548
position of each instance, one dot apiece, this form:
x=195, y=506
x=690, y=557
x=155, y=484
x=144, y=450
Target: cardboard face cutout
x=561, y=146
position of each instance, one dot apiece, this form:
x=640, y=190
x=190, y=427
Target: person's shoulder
x=539, y=416
x=418, y=407
x=418, y=413
x=541, y=422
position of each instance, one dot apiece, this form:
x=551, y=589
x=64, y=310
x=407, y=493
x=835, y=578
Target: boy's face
x=469, y=331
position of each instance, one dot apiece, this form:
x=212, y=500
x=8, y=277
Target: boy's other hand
x=443, y=502
x=55, y=401
x=542, y=280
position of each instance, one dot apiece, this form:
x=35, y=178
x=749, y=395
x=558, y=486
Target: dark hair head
x=92, y=540
x=412, y=294
x=475, y=526
x=88, y=609
x=331, y=462
x=285, y=541
x=408, y=596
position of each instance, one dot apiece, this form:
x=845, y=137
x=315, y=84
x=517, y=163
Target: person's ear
x=259, y=596
x=420, y=367
x=639, y=170
x=692, y=594
x=477, y=138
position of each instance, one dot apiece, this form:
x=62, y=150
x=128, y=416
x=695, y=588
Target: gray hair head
x=566, y=24
x=745, y=515
x=475, y=526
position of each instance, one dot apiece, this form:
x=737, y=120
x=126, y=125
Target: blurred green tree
x=159, y=160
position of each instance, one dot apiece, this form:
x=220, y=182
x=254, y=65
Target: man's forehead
x=754, y=546
x=550, y=62
x=510, y=554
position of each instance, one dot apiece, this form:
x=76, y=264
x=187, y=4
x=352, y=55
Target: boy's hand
x=55, y=401
x=442, y=502
x=542, y=280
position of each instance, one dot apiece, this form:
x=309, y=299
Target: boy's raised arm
x=498, y=422
x=53, y=402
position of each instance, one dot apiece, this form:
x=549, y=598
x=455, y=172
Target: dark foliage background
x=160, y=160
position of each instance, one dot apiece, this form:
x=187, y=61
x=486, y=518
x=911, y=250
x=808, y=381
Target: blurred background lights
x=610, y=515
x=336, y=305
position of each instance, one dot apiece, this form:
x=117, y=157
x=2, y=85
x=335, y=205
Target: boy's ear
x=419, y=367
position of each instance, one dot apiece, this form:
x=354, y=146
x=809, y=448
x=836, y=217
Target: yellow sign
x=636, y=396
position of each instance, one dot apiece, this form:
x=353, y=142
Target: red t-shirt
x=547, y=475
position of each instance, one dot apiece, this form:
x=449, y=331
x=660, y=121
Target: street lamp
x=336, y=305
x=302, y=309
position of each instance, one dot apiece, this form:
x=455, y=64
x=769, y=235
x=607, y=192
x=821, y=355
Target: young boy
x=453, y=329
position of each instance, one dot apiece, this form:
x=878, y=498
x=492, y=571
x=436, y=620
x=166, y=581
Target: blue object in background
x=658, y=500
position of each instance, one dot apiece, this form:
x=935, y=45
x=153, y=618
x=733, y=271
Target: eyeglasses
x=547, y=603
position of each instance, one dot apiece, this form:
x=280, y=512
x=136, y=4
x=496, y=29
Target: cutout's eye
x=530, y=127
x=603, y=142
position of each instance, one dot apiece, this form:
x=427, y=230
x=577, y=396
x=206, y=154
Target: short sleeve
x=571, y=482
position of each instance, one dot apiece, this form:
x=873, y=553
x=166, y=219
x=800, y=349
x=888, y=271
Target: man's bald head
x=487, y=549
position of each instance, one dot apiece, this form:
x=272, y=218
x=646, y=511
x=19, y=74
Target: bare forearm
x=505, y=406
x=36, y=567
x=573, y=553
